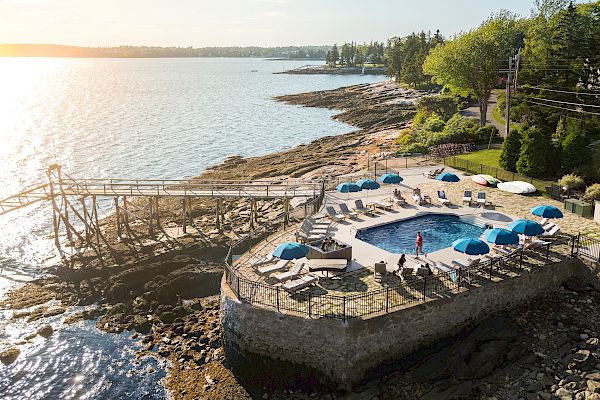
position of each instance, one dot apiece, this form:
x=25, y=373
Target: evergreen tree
x=511, y=149
x=575, y=150
x=536, y=154
x=335, y=55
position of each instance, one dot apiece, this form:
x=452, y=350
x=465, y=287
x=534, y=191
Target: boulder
x=45, y=331
x=141, y=324
x=167, y=317
x=117, y=292
x=593, y=386
x=487, y=357
x=9, y=355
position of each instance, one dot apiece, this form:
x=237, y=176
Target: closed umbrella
x=526, y=227
x=290, y=251
x=501, y=236
x=368, y=184
x=447, y=177
x=470, y=246
x=392, y=179
x=546, y=211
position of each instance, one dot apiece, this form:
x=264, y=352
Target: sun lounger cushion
x=267, y=269
x=292, y=273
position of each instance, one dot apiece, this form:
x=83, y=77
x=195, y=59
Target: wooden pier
x=75, y=201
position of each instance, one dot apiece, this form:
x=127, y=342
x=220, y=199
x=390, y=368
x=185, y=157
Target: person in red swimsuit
x=419, y=243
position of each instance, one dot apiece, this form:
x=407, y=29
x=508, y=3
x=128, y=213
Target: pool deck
x=365, y=254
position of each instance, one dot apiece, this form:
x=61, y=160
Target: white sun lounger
x=346, y=211
x=334, y=215
x=360, y=207
x=300, y=283
x=470, y=263
x=292, y=273
x=552, y=232
x=261, y=261
x=467, y=197
x=441, y=196
x=268, y=269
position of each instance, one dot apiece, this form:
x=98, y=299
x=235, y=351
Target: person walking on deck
x=419, y=243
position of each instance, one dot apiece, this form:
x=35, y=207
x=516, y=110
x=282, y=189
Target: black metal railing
x=587, y=247
x=549, y=188
x=316, y=304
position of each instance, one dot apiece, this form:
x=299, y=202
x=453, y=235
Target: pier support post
x=252, y=213
x=184, y=212
x=85, y=220
x=150, y=217
x=286, y=211
x=118, y=216
x=218, y=214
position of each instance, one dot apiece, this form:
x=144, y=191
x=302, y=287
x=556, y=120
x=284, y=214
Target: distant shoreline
x=326, y=70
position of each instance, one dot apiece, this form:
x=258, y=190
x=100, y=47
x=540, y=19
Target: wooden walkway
x=261, y=189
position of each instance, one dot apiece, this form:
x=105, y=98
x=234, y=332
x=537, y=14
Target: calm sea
x=144, y=118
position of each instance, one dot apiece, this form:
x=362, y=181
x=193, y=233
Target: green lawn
x=486, y=157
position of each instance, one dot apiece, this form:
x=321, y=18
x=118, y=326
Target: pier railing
x=410, y=292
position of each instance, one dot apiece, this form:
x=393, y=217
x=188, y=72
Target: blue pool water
x=438, y=231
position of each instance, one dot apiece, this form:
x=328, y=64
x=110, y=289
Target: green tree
x=335, y=55
x=469, y=64
x=575, y=150
x=536, y=154
x=511, y=149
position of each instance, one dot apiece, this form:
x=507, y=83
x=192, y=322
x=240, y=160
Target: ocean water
x=126, y=118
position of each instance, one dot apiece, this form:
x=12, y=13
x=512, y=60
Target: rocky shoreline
x=163, y=289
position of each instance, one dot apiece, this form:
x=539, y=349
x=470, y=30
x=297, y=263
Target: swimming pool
x=439, y=231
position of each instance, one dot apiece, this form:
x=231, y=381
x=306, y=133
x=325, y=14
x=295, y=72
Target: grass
x=497, y=116
x=487, y=157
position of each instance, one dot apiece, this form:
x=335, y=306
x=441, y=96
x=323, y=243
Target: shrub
x=403, y=139
x=571, y=181
x=593, y=192
x=575, y=150
x=511, y=149
x=434, y=123
x=537, y=152
x=443, y=105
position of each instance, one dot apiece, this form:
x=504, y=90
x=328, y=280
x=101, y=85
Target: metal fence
x=317, y=304
x=550, y=188
x=588, y=248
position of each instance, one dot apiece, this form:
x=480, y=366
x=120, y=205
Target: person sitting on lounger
x=417, y=196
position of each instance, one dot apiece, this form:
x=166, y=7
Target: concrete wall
x=342, y=354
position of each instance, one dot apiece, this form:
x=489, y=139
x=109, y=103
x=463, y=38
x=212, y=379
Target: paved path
x=473, y=112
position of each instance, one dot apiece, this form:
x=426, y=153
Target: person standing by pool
x=419, y=243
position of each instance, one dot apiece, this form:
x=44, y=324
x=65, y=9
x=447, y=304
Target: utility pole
x=518, y=63
x=508, y=87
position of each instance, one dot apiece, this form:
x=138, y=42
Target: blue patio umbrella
x=368, y=184
x=546, y=211
x=447, y=177
x=501, y=236
x=393, y=179
x=348, y=187
x=526, y=227
x=471, y=246
x=290, y=251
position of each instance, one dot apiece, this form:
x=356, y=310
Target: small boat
x=253, y=70
x=517, y=187
x=479, y=179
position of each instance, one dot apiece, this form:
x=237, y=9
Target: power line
x=561, y=108
x=567, y=102
x=561, y=91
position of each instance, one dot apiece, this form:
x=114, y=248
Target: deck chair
x=261, y=261
x=346, y=211
x=508, y=252
x=360, y=207
x=401, y=201
x=334, y=215
x=482, y=200
x=380, y=270
x=300, y=283
x=307, y=227
x=268, y=269
x=441, y=196
x=295, y=271
x=548, y=226
x=544, y=221
x=469, y=264
x=468, y=197
x=552, y=232
x=309, y=237
x=317, y=223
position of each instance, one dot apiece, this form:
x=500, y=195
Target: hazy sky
x=236, y=22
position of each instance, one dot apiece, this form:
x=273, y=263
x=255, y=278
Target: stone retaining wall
x=342, y=354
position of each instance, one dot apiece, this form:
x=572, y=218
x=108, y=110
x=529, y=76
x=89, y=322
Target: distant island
x=53, y=50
